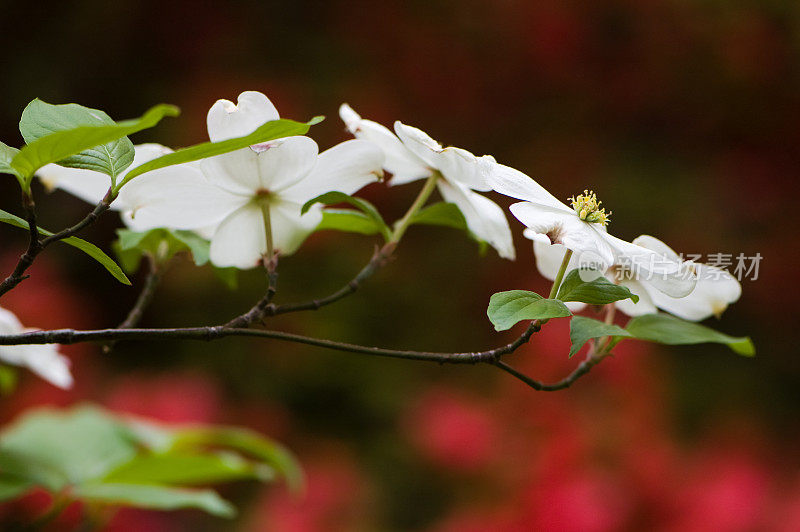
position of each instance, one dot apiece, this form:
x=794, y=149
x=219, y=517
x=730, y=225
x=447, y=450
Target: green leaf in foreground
x=582, y=329
x=188, y=468
x=369, y=210
x=61, y=144
x=40, y=119
x=506, y=309
x=87, y=247
x=598, y=291
x=271, y=130
x=155, y=497
x=107, y=459
x=666, y=329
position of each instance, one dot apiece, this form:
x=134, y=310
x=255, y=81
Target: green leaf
x=77, y=445
x=271, y=130
x=599, y=291
x=61, y=144
x=245, y=441
x=155, y=497
x=87, y=247
x=444, y=214
x=187, y=468
x=666, y=329
x=40, y=119
x=506, y=309
x=582, y=329
x=7, y=154
x=332, y=198
x=163, y=244
x=348, y=220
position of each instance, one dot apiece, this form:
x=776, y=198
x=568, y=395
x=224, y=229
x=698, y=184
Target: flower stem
x=560, y=275
x=424, y=194
x=268, y=232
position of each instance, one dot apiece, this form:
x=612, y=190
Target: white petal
x=645, y=304
x=48, y=363
x=176, y=197
x=483, y=216
x=418, y=142
x=404, y=166
x=289, y=228
x=44, y=359
x=586, y=241
x=227, y=120
x=347, y=167
x=88, y=185
x=9, y=323
x=511, y=182
x=715, y=290
x=672, y=277
x=456, y=164
x=240, y=240
x=549, y=256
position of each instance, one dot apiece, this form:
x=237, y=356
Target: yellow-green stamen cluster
x=588, y=208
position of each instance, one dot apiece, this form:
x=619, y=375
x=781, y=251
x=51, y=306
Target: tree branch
x=36, y=246
x=72, y=336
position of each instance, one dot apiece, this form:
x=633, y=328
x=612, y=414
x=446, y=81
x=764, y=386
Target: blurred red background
x=683, y=116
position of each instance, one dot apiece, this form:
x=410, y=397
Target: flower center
x=587, y=207
x=264, y=195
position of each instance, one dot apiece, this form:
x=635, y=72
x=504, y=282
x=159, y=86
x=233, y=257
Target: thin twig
x=154, y=275
x=261, y=308
x=579, y=372
x=379, y=258
x=36, y=246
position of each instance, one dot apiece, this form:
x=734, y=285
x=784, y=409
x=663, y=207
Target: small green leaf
x=332, y=198
x=87, y=247
x=348, y=220
x=154, y=497
x=271, y=130
x=163, y=244
x=7, y=154
x=599, y=291
x=61, y=144
x=444, y=214
x=187, y=468
x=40, y=119
x=506, y=309
x=666, y=329
x=582, y=329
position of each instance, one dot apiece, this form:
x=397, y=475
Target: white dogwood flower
x=582, y=229
x=412, y=155
x=256, y=193
x=42, y=359
x=715, y=288
x=92, y=186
